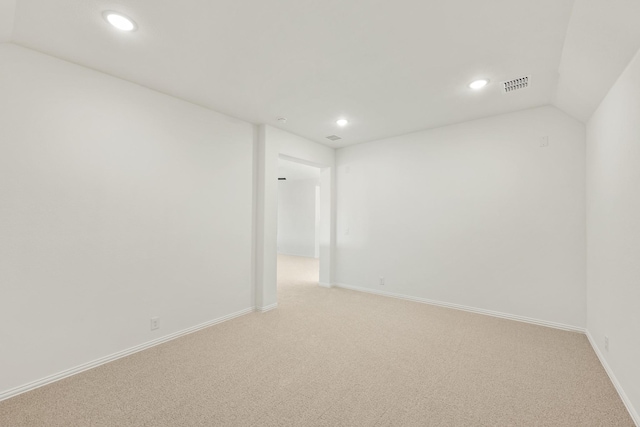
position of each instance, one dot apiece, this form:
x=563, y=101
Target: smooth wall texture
x=117, y=204
x=476, y=214
x=297, y=217
x=274, y=143
x=613, y=224
x=7, y=15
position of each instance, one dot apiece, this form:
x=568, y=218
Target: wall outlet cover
x=544, y=141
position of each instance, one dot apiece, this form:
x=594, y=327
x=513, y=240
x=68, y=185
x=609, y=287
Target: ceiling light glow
x=342, y=122
x=478, y=84
x=119, y=21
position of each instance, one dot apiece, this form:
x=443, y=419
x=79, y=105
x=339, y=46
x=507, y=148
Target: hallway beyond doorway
x=297, y=271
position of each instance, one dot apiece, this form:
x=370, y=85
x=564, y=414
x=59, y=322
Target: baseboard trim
x=325, y=285
x=466, y=308
x=110, y=358
x=267, y=307
x=623, y=396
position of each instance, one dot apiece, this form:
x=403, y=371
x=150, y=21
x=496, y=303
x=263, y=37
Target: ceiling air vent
x=333, y=137
x=516, y=84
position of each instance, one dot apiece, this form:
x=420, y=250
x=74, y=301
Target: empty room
x=319, y=213
x=298, y=226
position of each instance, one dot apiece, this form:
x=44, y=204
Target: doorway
x=299, y=222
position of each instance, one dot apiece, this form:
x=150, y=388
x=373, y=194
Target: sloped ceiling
x=389, y=67
x=7, y=13
x=602, y=37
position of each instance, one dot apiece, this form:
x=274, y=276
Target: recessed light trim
x=478, y=84
x=342, y=122
x=119, y=21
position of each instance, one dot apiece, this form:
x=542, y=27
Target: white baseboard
x=325, y=285
x=103, y=360
x=267, y=307
x=623, y=396
x=466, y=308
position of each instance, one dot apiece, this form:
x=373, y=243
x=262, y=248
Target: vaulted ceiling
x=389, y=67
x=602, y=37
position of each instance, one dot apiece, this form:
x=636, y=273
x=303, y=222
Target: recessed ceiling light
x=478, y=84
x=342, y=122
x=119, y=21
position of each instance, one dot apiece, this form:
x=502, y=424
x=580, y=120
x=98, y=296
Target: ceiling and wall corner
x=500, y=218
x=7, y=14
x=391, y=69
x=388, y=67
x=602, y=38
x=108, y=194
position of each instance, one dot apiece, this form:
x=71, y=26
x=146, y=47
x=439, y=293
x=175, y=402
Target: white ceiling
x=602, y=38
x=389, y=67
x=295, y=171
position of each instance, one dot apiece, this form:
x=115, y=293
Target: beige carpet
x=332, y=357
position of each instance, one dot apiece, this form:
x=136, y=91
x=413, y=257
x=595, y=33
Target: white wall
x=613, y=224
x=117, y=204
x=297, y=217
x=274, y=143
x=476, y=214
x=7, y=15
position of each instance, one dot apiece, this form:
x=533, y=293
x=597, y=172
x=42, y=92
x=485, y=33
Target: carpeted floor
x=333, y=357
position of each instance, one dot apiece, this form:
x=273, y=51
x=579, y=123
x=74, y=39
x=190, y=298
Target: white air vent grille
x=333, y=137
x=516, y=84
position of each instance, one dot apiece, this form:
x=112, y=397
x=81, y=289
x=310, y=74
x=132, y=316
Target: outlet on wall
x=381, y=280
x=606, y=343
x=544, y=141
x=155, y=323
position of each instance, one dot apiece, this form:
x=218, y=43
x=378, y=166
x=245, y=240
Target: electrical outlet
x=606, y=343
x=544, y=141
x=155, y=323
x=381, y=280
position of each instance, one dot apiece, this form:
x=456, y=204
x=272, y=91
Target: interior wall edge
x=612, y=376
x=119, y=355
x=477, y=310
x=267, y=307
x=411, y=209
